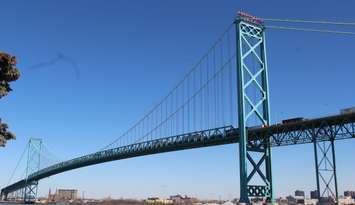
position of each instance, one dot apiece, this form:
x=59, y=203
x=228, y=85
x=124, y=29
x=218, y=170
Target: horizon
x=307, y=196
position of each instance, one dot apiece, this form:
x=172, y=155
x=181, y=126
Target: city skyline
x=80, y=194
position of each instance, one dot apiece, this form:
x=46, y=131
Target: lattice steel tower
x=253, y=108
x=33, y=165
x=326, y=176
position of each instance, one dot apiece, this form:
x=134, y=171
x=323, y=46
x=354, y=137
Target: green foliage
x=8, y=73
x=5, y=134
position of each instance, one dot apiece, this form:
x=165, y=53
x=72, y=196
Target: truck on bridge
x=347, y=110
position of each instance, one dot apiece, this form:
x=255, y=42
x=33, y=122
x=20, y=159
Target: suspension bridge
x=223, y=99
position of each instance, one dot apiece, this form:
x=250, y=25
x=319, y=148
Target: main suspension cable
x=17, y=165
x=312, y=30
x=310, y=21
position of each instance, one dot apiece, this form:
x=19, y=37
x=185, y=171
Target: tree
x=5, y=134
x=8, y=73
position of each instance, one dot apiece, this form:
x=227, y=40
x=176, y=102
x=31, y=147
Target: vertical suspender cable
x=221, y=91
x=230, y=80
x=17, y=165
x=215, y=88
x=207, y=100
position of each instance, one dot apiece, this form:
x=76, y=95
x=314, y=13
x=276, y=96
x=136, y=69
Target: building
x=178, y=199
x=257, y=200
x=300, y=197
x=311, y=201
x=281, y=201
x=291, y=200
x=157, y=200
x=347, y=201
x=314, y=194
x=300, y=194
x=66, y=194
x=350, y=194
x=51, y=197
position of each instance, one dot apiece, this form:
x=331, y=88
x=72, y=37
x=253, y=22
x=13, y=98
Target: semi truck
x=347, y=110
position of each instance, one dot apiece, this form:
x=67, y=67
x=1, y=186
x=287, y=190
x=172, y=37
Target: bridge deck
x=321, y=129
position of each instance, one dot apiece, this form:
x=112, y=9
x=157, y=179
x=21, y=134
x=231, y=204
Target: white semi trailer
x=347, y=110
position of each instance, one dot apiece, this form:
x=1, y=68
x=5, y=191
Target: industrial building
x=63, y=195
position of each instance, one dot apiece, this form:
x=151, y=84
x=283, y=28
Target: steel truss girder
x=203, y=138
x=337, y=127
x=251, y=50
x=341, y=126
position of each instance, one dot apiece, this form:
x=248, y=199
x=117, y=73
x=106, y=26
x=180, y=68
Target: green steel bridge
x=224, y=99
x=338, y=127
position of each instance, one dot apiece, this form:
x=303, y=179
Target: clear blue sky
x=131, y=53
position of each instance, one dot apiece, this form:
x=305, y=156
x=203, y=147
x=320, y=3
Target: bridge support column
x=253, y=110
x=4, y=197
x=326, y=176
x=33, y=164
x=30, y=192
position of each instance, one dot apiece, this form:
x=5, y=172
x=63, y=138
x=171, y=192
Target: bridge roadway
x=335, y=127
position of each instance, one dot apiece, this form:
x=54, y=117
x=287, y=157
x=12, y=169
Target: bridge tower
x=33, y=164
x=326, y=177
x=253, y=108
